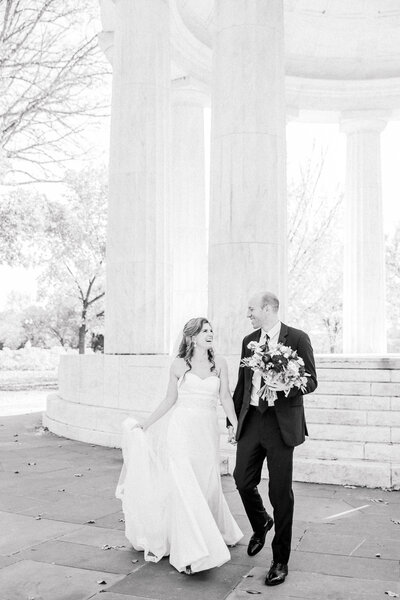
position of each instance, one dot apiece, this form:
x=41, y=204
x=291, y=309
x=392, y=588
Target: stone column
x=247, y=249
x=364, y=325
x=188, y=207
x=138, y=269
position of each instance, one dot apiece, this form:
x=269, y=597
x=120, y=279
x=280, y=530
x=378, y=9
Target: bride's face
x=204, y=338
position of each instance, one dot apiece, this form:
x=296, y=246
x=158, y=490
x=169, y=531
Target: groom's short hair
x=268, y=298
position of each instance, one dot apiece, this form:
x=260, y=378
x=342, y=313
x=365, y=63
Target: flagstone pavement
x=62, y=534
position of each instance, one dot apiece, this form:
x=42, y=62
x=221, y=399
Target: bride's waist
x=199, y=402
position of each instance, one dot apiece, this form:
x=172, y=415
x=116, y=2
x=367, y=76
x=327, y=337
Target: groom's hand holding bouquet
x=280, y=367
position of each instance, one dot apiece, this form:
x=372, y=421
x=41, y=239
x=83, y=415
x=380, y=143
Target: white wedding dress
x=170, y=483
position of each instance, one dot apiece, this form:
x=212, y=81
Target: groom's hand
x=231, y=435
x=277, y=387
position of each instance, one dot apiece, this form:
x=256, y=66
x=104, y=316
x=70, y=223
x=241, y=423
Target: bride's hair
x=187, y=345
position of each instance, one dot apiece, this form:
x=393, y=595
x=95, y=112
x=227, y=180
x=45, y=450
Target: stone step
x=347, y=472
x=337, y=450
x=384, y=375
x=338, y=416
x=358, y=388
x=378, y=403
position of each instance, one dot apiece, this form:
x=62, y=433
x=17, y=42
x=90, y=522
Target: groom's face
x=256, y=313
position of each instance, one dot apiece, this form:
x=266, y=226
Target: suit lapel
x=283, y=334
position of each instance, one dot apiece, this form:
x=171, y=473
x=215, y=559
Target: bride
x=170, y=483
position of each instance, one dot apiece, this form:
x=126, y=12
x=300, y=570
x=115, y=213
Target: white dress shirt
x=273, y=334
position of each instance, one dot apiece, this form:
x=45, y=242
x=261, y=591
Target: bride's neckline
x=198, y=376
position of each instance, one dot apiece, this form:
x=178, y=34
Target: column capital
x=354, y=121
x=190, y=91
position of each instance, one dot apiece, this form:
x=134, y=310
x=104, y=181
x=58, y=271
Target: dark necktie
x=262, y=402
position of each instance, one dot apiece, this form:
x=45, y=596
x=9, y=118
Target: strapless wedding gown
x=170, y=483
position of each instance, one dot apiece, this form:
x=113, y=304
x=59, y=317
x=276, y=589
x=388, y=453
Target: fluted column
x=188, y=209
x=364, y=325
x=247, y=249
x=138, y=269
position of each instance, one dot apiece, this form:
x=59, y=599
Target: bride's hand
x=232, y=435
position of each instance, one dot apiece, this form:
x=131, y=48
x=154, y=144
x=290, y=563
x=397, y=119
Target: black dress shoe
x=276, y=574
x=257, y=540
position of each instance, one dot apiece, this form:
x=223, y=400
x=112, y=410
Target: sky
x=301, y=138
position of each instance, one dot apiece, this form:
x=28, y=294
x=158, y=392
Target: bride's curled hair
x=187, y=345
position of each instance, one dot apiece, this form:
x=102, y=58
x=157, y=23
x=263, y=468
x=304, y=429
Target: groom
x=270, y=431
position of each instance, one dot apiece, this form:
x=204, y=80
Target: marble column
x=138, y=265
x=247, y=247
x=188, y=206
x=364, y=325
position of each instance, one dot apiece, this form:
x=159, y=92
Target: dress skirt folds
x=170, y=483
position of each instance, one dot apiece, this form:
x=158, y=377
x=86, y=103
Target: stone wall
x=353, y=417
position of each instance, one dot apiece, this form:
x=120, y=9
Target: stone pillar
x=138, y=269
x=247, y=249
x=364, y=325
x=188, y=207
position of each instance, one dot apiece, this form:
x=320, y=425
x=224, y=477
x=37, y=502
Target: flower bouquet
x=277, y=365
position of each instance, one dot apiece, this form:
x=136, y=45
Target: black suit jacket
x=289, y=410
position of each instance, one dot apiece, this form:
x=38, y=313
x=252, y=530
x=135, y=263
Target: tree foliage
x=52, y=77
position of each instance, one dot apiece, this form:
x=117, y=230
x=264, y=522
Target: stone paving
x=62, y=534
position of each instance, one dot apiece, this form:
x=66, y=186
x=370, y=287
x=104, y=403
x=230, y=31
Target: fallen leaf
x=78, y=474
x=245, y=576
x=395, y=521
x=38, y=518
x=392, y=594
x=91, y=521
x=252, y=592
x=106, y=547
x=121, y=520
x=102, y=582
x=61, y=490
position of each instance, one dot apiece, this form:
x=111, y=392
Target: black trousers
x=261, y=438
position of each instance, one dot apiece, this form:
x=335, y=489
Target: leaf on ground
x=91, y=521
x=392, y=594
x=78, y=474
x=121, y=520
x=61, y=490
x=102, y=582
x=378, y=500
x=395, y=521
x=252, y=592
x=106, y=547
x=246, y=576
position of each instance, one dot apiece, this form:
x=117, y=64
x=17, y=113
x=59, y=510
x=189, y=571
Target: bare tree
x=315, y=250
x=52, y=76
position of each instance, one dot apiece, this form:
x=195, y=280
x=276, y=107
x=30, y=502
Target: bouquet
x=277, y=365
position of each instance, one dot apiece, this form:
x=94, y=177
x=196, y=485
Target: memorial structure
x=257, y=64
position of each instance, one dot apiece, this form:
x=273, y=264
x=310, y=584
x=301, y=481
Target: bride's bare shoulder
x=178, y=367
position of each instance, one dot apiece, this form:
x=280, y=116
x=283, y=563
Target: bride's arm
x=169, y=400
x=224, y=392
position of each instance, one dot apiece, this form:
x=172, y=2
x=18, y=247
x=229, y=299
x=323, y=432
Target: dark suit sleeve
x=305, y=351
x=239, y=389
